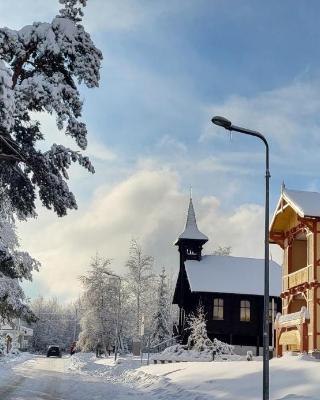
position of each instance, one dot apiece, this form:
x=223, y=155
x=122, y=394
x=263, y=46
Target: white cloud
x=287, y=116
x=171, y=144
x=148, y=205
x=95, y=150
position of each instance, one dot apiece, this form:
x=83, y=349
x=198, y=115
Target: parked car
x=54, y=351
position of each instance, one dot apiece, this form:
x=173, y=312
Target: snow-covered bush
x=178, y=352
x=198, y=338
x=221, y=348
x=249, y=355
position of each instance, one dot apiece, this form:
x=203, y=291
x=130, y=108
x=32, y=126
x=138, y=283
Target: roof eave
x=291, y=203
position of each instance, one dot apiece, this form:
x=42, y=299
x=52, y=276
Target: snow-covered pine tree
x=15, y=266
x=198, y=339
x=41, y=66
x=140, y=278
x=161, y=319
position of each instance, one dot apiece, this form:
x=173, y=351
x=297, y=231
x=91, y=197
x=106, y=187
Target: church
x=229, y=288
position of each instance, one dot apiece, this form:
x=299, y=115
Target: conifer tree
x=41, y=67
x=197, y=325
x=15, y=266
x=161, y=319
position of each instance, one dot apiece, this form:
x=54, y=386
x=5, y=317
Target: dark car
x=54, y=351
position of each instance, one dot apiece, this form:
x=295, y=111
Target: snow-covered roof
x=227, y=274
x=307, y=204
x=191, y=230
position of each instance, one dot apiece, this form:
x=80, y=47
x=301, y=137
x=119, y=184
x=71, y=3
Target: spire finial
x=190, y=192
x=283, y=186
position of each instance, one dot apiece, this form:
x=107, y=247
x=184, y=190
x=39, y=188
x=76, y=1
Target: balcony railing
x=296, y=278
x=293, y=318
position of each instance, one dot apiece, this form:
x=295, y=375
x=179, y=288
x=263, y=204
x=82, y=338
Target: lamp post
x=225, y=123
x=118, y=314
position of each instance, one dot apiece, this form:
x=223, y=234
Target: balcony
x=296, y=278
x=293, y=319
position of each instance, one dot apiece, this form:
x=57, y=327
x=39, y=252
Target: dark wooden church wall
x=231, y=329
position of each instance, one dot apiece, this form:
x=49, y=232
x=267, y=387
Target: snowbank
x=216, y=350
x=291, y=377
x=14, y=356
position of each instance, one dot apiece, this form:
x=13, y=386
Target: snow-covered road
x=84, y=377
x=41, y=378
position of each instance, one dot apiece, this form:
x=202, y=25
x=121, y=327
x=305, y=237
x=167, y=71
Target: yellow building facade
x=295, y=227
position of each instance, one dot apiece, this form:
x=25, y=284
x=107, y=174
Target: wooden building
x=229, y=288
x=295, y=227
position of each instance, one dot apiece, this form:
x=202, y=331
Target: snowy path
x=83, y=377
x=42, y=378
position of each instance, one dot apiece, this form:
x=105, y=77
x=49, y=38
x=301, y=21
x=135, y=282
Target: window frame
x=245, y=307
x=219, y=307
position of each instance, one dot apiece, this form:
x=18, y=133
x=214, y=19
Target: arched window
x=217, y=308
x=244, y=310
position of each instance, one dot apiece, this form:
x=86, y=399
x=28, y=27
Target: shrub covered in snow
x=198, y=339
x=178, y=352
x=221, y=348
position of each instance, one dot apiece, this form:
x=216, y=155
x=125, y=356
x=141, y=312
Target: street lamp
x=225, y=123
x=118, y=314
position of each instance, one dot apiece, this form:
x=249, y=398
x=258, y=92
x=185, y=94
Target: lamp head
x=221, y=121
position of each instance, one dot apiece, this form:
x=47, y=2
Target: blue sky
x=160, y=77
x=168, y=67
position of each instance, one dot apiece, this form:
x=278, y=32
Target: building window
x=217, y=308
x=275, y=310
x=244, y=310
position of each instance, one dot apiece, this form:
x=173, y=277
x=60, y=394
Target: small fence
x=158, y=348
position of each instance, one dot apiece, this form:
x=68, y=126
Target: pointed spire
x=191, y=230
x=283, y=186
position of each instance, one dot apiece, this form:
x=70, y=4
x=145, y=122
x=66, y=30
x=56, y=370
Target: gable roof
x=306, y=204
x=302, y=203
x=228, y=274
x=191, y=230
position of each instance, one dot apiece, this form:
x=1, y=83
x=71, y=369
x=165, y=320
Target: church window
x=244, y=310
x=217, y=308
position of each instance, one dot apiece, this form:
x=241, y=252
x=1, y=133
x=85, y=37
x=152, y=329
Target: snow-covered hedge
x=223, y=351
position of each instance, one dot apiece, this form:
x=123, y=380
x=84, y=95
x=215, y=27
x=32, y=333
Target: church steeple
x=191, y=240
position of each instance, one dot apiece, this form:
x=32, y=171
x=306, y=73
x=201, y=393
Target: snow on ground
x=291, y=377
x=16, y=357
x=83, y=377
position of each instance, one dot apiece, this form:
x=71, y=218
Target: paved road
x=44, y=378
